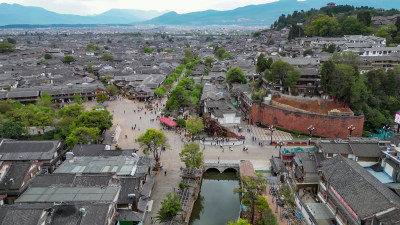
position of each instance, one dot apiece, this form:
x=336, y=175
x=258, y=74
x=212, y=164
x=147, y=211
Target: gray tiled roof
x=335, y=148
x=364, y=194
x=28, y=150
x=366, y=149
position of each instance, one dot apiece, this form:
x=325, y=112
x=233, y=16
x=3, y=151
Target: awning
x=168, y=122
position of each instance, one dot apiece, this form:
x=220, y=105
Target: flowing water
x=216, y=204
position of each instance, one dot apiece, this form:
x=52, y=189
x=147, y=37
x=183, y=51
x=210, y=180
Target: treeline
x=374, y=94
x=337, y=21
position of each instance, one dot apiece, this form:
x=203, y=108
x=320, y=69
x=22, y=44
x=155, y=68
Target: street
x=126, y=115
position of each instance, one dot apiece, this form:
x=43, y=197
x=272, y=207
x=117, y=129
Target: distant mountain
x=18, y=14
x=252, y=15
x=264, y=14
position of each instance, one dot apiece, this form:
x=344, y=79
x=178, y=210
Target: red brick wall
x=326, y=126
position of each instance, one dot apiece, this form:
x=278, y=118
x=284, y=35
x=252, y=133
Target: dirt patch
x=319, y=107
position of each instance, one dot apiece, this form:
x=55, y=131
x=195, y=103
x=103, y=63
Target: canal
x=216, y=204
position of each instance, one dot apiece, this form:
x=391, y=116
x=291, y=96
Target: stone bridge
x=221, y=165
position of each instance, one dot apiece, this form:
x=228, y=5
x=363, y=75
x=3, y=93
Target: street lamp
x=280, y=147
x=310, y=129
x=271, y=129
x=351, y=128
x=386, y=128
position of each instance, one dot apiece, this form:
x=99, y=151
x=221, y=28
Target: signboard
x=397, y=118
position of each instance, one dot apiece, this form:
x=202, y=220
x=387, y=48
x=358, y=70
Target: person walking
x=165, y=173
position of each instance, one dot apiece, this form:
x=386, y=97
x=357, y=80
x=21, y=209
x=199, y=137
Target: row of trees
x=185, y=94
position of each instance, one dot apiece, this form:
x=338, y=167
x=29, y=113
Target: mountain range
x=19, y=14
x=251, y=15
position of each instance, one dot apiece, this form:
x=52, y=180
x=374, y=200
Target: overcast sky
x=86, y=7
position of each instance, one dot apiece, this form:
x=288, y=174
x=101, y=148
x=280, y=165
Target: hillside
x=258, y=15
x=19, y=14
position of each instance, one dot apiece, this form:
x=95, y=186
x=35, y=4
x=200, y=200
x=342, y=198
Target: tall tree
x=292, y=78
x=107, y=57
x=235, y=75
x=170, y=207
x=178, y=98
x=151, y=141
x=45, y=100
x=364, y=17
x=74, y=111
x=328, y=79
x=194, y=125
x=101, y=97
x=191, y=155
x=84, y=135
x=324, y=26
x=262, y=64
x=68, y=59
x=10, y=129
x=95, y=119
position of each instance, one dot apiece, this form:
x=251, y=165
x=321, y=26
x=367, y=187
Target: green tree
x=68, y=59
x=107, y=57
x=324, y=26
x=239, y=222
x=194, y=125
x=101, y=97
x=308, y=52
x=187, y=83
x=95, y=119
x=42, y=120
x=160, y=91
x=6, y=47
x=148, y=50
x=44, y=100
x=292, y=78
x=364, y=17
x=235, y=75
x=268, y=218
x=89, y=67
x=181, y=122
x=348, y=58
x=328, y=76
x=262, y=64
x=352, y=26
x=78, y=98
x=151, y=141
x=262, y=204
x=91, y=47
x=10, y=129
x=257, y=34
x=170, y=207
x=12, y=41
x=82, y=135
x=47, y=56
x=73, y=111
x=191, y=155
x=288, y=195
x=251, y=190
x=187, y=45
x=209, y=60
x=178, y=98
x=331, y=48
x=112, y=90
